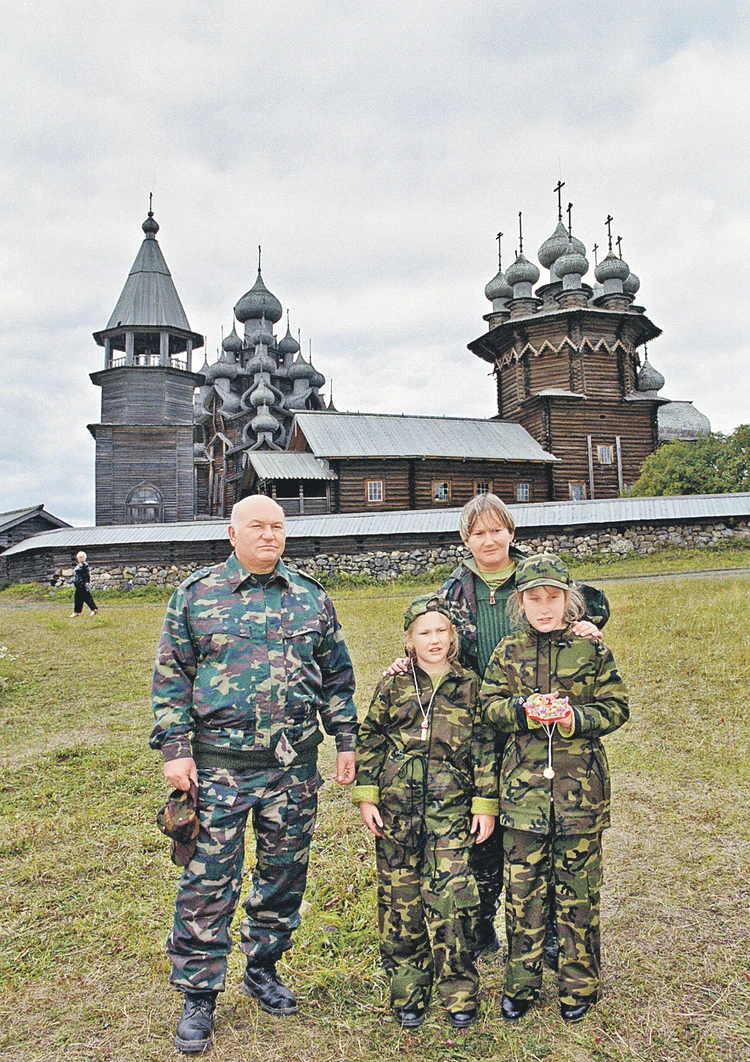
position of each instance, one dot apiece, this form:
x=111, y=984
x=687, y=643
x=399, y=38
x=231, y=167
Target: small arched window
x=145, y=505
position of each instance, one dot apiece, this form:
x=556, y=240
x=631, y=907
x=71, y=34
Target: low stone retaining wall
x=386, y=565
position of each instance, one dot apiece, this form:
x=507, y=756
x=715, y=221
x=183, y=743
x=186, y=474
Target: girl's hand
x=482, y=826
x=399, y=666
x=371, y=817
x=587, y=629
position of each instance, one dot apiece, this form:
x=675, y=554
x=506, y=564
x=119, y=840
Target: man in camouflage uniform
x=251, y=654
x=554, y=793
x=428, y=764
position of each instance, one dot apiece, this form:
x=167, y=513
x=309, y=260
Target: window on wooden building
x=605, y=455
x=144, y=505
x=375, y=492
x=577, y=491
x=441, y=490
x=483, y=486
x=523, y=492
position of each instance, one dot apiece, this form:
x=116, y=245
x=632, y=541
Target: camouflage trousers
x=281, y=805
x=574, y=865
x=427, y=910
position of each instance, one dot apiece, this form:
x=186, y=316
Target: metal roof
x=288, y=465
x=149, y=296
x=336, y=435
x=17, y=516
x=631, y=511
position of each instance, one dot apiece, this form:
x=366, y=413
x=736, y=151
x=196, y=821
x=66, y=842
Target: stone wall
x=386, y=565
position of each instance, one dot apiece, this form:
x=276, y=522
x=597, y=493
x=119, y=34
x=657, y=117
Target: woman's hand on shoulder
x=399, y=667
x=587, y=629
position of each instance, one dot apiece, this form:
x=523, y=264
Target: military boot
x=263, y=983
x=196, y=1027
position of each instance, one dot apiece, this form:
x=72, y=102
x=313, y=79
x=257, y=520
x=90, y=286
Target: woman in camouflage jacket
x=554, y=785
x=478, y=591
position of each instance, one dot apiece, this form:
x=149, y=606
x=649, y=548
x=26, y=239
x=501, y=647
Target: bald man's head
x=257, y=533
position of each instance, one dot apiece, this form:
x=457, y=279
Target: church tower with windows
x=566, y=358
x=144, y=441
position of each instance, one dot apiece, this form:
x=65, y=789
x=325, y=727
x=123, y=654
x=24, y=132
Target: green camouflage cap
x=179, y=821
x=425, y=603
x=543, y=569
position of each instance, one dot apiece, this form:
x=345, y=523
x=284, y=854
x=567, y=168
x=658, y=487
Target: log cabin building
x=578, y=408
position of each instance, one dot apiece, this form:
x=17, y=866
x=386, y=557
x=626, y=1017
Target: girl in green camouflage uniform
x=554, y=784
x=427, y=789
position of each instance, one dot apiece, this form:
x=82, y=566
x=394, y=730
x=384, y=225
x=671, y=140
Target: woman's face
x=489, y=542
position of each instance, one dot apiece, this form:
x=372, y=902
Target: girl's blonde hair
x=575, y=607
x=409, y=642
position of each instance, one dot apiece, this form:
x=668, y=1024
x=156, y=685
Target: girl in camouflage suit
x=554, y=784
x=427, y=789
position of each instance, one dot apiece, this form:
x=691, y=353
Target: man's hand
x=586, y=629
x=181, y=772
x=399, y=666
x=482, y=826
x=371, y=817
x=345, y=770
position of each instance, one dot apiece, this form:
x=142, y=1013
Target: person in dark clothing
x=82, y=587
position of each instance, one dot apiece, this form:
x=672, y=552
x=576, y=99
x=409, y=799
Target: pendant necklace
x=424, y=726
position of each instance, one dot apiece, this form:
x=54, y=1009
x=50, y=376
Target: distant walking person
x=82, y=587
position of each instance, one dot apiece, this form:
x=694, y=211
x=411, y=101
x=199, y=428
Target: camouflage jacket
x=249, y=668
x=584, y=670
x=459, y=590
x=427, y=788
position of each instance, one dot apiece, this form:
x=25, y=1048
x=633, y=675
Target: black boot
x=196, y=1027
x=264, y=984
x=551, y=946
x=485, y=941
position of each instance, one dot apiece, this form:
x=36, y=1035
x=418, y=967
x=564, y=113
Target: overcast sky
x=374, y=150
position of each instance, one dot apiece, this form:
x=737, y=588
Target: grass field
x=88, y=887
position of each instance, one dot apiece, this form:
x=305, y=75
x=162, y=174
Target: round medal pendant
x=549, y=772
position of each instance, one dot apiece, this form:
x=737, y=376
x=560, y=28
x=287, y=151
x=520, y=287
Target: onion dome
x=261, y=361
x=611, y=268
x=258, y=302
x=288, y=345
x=232, y=344
x=571, y=262
x=649, y=378
x=498, y=287
x=557, y=245
x=631, y=284
x=150, y=226
x=264, y=421
x=300, y=369
x=262, y=395
x=222, y=369
x=317, y=379
x=522, y=271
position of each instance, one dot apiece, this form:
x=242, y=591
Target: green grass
x=88, y=888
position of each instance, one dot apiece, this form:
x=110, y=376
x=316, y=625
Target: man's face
x=260, y=534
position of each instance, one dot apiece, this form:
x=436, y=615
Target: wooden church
x=578, y=405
